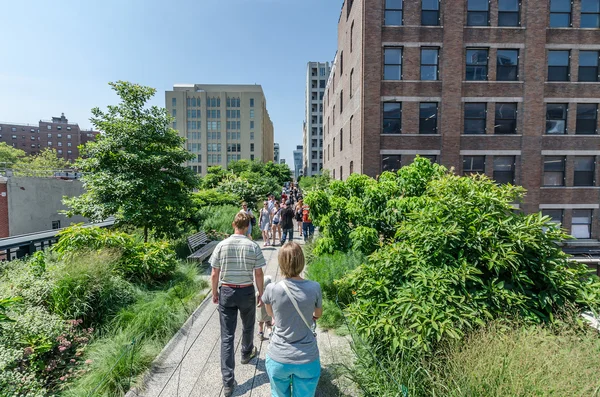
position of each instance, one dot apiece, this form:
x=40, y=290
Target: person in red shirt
x=308, y=229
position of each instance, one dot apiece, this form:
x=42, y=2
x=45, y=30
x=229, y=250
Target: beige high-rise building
x=221, y=123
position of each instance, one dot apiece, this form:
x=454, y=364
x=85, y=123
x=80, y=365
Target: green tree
x=134, y=171
x=41, y=165
x=9, y=155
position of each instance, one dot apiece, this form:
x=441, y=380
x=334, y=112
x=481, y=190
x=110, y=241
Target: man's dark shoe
x=228, y=390
x=246, y=360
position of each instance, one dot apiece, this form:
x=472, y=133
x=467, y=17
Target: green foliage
x=41, y=165
x=141, y=262
x=326, y=269
x=281, y=172
x=454, y=256
x=212, y=197
x=216, y=221
x=9, y=155
x=308, y=183
x=4, y=305
x=137, y=334
x=134, y=170
x=214, y=176
x=85, y=287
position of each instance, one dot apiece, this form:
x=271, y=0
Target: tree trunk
x=145, y=234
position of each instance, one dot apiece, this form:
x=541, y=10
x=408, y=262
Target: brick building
x=508, y=88
x=57, y=134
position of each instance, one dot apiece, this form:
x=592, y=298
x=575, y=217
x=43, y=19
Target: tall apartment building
x=298, y=167
x=503, y=87
x=316, y=79
x=221, y=123
x=56, y=133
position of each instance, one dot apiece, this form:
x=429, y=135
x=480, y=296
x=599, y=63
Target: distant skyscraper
x=282, y=161
x=276, y=153
x=221, y=123
x=317, y=74
x=298, y=162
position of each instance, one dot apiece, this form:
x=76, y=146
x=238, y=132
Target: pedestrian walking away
x=292, y=361
x=247, y=211
x=237, y=262
x=299, y=215
x=276, y=230
x=287, y=223
x=308, y=228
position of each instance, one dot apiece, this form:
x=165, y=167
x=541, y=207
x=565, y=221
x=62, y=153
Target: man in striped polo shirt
x=236, y=263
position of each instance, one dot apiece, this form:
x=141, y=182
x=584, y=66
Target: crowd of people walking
x=239, y=285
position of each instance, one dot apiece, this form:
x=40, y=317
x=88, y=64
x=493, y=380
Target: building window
x=428, y=117
x=581, y=224
x=477, y=63
x=351, y=40
x=333, y=146
x=554, y=171
x=341, y=173
x=584, y=170
x=251, y=102
x=587, y=118
x=560, y=13
x=251, y=147
x=507, y=65
x=478, y=13
x=321, y=83
x=174, y=125
x=393, y=12
x=59, y=128
x=556, y=216
x=341, y=140
x=55, y=225
x=556, y=118
x=430, y=12
x=590, y=13
x=251, y=135
x=390, y=162
x=558, y=65
x=431, y=157
x=174, y=112
x=588, y=65
x=392, y=69
x=351, y=167
x=508, y=13
x=328, y=152
x=341, y=101
x=351, y=82
x=475, y=118
x=173, y=102
x=251, y=113
x=473, y=165
x=392, y=117
x=506, y=118
x=504, y=169
x=429, y=63
x=49, y=127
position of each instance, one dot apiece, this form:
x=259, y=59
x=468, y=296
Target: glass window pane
x=430, y=18
x=558, y=58
x=474, y=110
x=560, y=20
x=477, y=18
x=506, y=110
x=392, y=72
x=590, y=20
x=392, y=110
x=430, y=4
x=560, y=5
x=390, y=162
x=477, y=5
x=393, y=18
x=588, y=58
x=582, y=216
x=588, y=73
x=584, y=163
x=429, y=56
x=507, y=57
x=396, y=4
x=555, y=126
x=393, y=56
x=556, y=215
x=508, y=19
x=554, y=163
x=427, y=110
x=508, y=5
x=503, y=163
x=477, y=57
x=590, y=5
x=556, y=111
x=428, y=72
x=580, y=231
x=587, y=111
x=507, y=73
x=553, y=178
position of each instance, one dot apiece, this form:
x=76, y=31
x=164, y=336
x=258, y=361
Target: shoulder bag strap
x=289, y=294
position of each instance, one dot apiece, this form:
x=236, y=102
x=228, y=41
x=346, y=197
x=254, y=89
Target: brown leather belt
x=237, y=285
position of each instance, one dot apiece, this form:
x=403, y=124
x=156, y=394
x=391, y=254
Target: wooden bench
x=201, y=246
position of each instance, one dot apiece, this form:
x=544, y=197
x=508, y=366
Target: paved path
x=189, y=366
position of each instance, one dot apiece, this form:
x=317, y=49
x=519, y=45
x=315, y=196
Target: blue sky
x=58, y=56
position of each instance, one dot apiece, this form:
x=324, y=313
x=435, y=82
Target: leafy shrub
x=85, y=287
x=216, y=221
x=144, y=262
x=325, y=269
x=455, y=255
x=212, y=197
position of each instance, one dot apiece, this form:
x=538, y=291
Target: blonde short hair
x=241, y=221
x=291, y=259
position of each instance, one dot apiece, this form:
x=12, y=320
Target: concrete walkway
x=189, y=366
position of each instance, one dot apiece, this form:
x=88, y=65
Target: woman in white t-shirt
x=276, y=217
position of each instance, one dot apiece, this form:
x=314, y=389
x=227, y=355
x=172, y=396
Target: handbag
x=289, y=294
